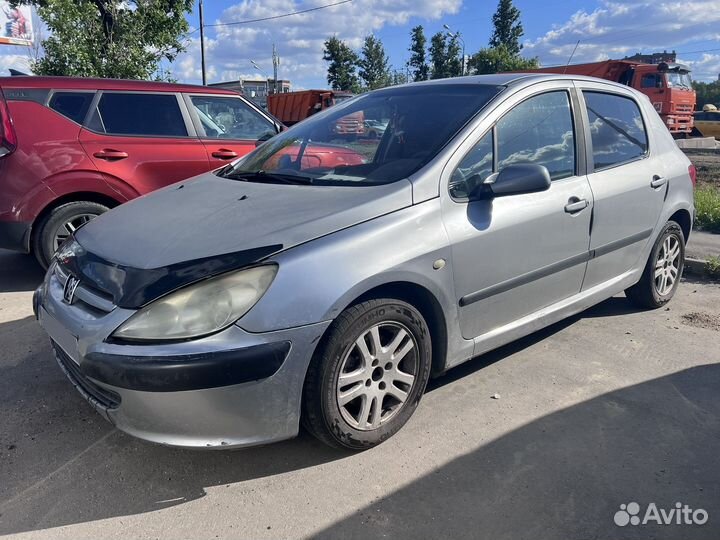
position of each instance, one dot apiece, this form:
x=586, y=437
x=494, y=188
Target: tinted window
x=73, y=105
x=539, y=130
x=616, y=127
x=139, y=114
x=230, y=118
x=475, y=167
x=651, y=80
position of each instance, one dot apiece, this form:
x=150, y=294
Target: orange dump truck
x=668, y=86
x=292, y=107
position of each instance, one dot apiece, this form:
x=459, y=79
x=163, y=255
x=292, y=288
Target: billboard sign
x=15, y=25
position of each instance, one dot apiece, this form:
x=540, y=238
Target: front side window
x=539, y=131
x=73, y=105
x=651, y=80
x=152, y=115
x=616, y=128
x=230, y=118
x=474, y=168
x=376, y=138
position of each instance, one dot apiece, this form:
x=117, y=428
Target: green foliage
x=444, y=56
x=707, y=93
x=707, y=208
x=341, y=73
x=124, y=39
x=507, y=27
x=418, y=59
x=712, y=266
x=374, y=64
x=499, y=59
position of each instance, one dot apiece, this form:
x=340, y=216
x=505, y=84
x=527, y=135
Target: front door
x=629, y=184
x=143, y=140
x=514, y=255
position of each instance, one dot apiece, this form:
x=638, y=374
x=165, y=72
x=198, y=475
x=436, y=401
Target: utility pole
x=276, y=63
x=202, y=44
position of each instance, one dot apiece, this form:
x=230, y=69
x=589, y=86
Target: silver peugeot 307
x=326, y=276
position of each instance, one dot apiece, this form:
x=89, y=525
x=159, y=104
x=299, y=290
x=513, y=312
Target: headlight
x=199, y=309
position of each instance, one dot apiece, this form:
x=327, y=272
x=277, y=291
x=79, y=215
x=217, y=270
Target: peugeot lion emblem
x=69, y=290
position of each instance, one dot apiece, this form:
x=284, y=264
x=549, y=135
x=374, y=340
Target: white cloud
x=299, y=38
x=614, y=30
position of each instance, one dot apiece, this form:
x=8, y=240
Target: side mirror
x=521, y=178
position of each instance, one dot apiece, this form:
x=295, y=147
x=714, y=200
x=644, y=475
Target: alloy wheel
x=69, y=227
x=377, y=373
x=667, y=265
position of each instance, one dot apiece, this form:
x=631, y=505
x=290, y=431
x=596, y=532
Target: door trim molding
x=553, y=268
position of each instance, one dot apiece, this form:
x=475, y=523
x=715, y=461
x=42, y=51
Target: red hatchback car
x=72, y=148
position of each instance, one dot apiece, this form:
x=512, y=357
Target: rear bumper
x=15, y=235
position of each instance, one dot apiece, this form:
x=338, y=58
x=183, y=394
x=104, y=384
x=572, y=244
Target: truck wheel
x=59, y=224
x=366, y=379
x=661, y=276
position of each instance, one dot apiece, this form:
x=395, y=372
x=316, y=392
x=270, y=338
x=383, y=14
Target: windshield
x=376, y=138
x=679, y=79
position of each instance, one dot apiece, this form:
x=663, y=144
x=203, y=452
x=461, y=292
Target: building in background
x=654, y=58
x=256, y=89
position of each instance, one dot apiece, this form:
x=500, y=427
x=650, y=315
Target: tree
x=418, y=60
x=499, y=59
x=124, y=39
x=444, y=56
x=343, y=63
x=707, y=93
x=508, y=29
x=374, y=69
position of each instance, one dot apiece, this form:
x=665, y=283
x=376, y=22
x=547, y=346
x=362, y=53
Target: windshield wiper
x=263, y=176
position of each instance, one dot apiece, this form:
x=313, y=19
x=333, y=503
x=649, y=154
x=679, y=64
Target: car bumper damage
x=230, y=389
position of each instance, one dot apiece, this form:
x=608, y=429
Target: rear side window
x=73, y=105
x=616, y=128
x=154, y=115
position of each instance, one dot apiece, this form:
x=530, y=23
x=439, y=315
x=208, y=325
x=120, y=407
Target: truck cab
x=670, y=90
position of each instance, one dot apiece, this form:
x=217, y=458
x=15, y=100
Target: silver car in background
x=324, y=279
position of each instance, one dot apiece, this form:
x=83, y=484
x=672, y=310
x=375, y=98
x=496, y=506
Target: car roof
x=82, y=83
x=517, y=78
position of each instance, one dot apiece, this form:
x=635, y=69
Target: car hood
x=208, y=216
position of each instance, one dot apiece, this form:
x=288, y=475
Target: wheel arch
x=682, y=217
x=77, y=196
x=425, y=302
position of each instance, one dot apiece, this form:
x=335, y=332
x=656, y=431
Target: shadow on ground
x=61, y=464
x=566, y=474
x=19, y=272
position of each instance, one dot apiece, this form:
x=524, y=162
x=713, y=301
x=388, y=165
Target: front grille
x=95, y=301
x=96, y=395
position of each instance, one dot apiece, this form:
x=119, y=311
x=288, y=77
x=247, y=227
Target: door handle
x=574, y=205
x=224, y=153
x=110, y=154
x=658, y=181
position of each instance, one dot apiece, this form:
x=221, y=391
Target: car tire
x=387, y=384
x=70, y=215
x=663, y=270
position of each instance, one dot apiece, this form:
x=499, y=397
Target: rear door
x=228, y=126
x=627, y=178
x=145, y=139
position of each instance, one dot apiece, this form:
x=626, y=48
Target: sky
x=606, y=29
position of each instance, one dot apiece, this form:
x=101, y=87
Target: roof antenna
x=571, y=55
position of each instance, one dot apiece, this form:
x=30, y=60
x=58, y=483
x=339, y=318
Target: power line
x=280, y=16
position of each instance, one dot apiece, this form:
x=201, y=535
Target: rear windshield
x=375, y=138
